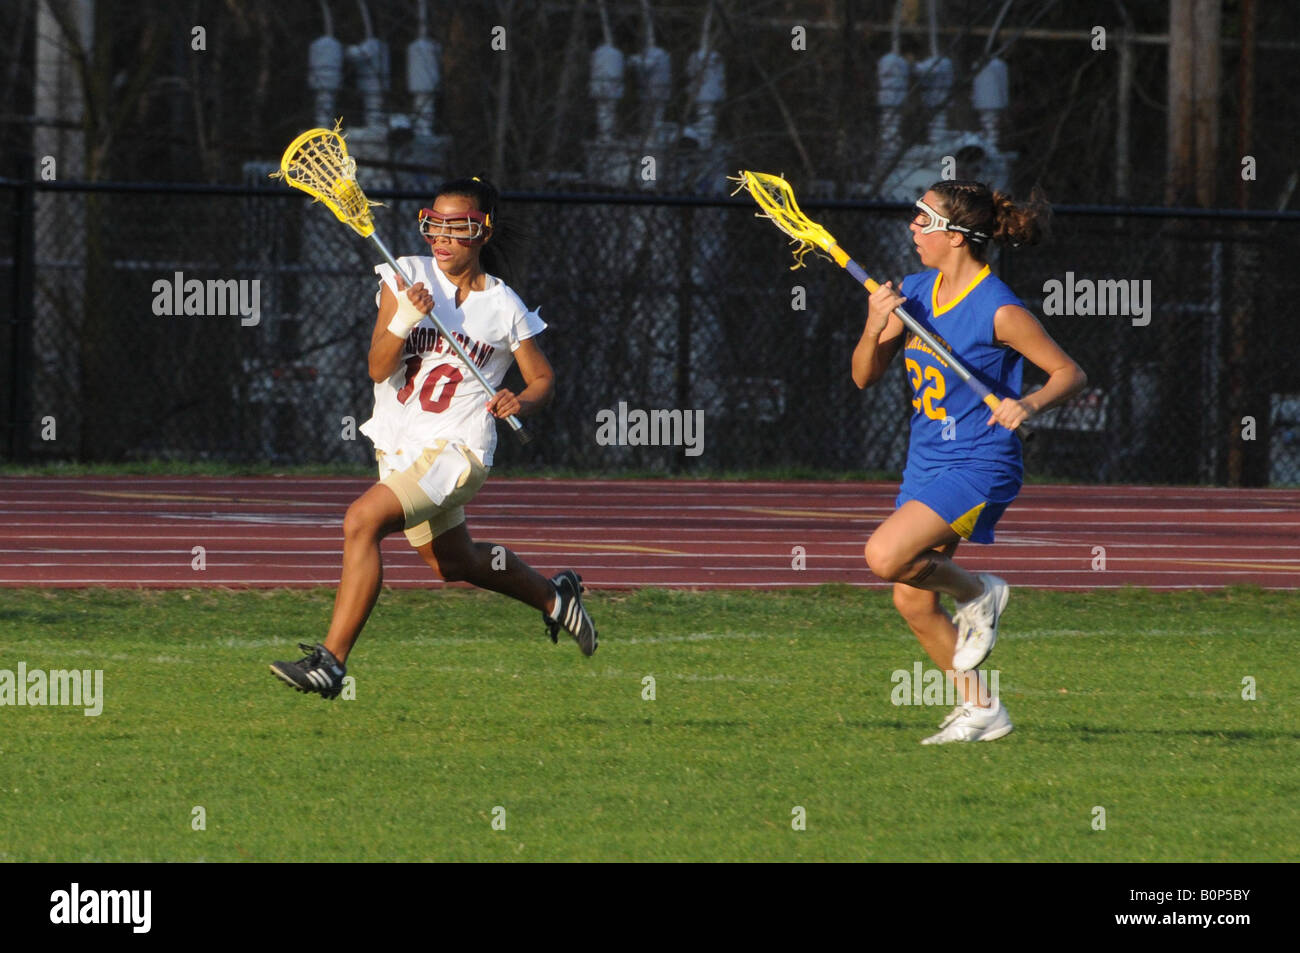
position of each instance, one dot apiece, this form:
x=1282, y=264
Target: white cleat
x=977, y=623
x=968, y=723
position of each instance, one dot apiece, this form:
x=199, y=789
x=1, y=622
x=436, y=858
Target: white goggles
x=466, y=227
x=934, y=222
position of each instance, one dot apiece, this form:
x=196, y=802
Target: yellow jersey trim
x=965, y=525
x=934, y=292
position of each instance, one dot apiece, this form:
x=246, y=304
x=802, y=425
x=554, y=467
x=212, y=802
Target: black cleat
x=319, y=672
x=570, y=614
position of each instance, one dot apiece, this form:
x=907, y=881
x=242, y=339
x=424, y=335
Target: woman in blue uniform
x=963, y=463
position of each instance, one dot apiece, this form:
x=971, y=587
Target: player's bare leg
x=375, y=514
x=906, y=547
x=902, y=549
x=455, y=557
x=370, y=518
x=934, y=629
x=913, y=548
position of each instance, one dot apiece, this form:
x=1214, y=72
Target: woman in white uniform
x=434, y=431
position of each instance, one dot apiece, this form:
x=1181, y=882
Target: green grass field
x=1126, y=700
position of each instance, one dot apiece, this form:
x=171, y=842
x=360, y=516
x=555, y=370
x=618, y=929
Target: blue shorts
x=970, y=501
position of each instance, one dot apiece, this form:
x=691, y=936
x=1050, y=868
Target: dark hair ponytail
x=501, y=248
x=975, y=206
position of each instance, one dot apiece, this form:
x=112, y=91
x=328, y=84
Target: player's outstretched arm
x=539, y=384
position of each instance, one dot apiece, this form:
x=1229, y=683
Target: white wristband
x=406, y=317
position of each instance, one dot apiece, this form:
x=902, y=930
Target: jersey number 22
x=936, y=391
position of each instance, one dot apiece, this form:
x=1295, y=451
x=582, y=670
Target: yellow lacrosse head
x=317, y=162
x=776, y=199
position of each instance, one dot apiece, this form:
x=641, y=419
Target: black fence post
x=685, y=316
x=20, y=323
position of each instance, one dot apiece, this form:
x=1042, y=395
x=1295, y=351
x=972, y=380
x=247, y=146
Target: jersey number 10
x=444, y=374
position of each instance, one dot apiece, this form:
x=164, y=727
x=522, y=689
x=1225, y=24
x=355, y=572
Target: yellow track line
x=1272, y=567
x=816, y=514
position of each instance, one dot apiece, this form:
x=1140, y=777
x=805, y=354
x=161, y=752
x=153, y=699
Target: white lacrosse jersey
x=432, y=396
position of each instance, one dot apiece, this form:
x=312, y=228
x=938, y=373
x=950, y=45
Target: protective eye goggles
x=468, y=227
x=934, y=222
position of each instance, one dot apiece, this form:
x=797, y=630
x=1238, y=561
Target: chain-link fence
x=233, y=324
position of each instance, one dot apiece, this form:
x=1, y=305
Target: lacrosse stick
x=776, y=199
x=317, y=162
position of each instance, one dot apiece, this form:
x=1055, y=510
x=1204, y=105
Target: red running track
x=282, y=531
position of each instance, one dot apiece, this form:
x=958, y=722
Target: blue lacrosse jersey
x=949, y=426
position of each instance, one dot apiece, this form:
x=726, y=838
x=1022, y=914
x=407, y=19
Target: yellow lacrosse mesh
x=317, y=162
x=776, y=199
